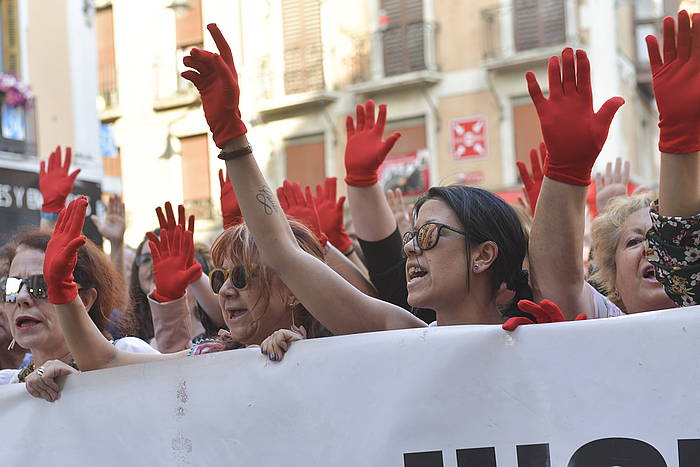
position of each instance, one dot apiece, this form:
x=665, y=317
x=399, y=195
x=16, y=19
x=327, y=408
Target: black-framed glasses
x=10, y=287
x=239, y=275
x=428, y=234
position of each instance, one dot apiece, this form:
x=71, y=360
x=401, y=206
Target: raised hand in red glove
x=167, y=223
x=365, y=151
x=55, y=183
x=62, y=252
x=330, y=214
x=301, y=207
x=173, y=267
x=574, y=134
x=676, y=82
x=546, y=312
x=533, y=185
x=217, y=82
x=230, y=210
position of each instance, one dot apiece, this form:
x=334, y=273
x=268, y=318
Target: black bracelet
x=236, y=153
x=350, y=251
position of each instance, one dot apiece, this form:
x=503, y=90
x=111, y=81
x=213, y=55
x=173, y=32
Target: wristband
x=349, y=251
x=51, y=216
x=236, y=153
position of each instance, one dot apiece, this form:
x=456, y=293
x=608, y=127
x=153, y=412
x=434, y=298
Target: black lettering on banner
x=423, y=459
x=617, y=452
x=688, y=452
x=533, y=455
x=476, y=457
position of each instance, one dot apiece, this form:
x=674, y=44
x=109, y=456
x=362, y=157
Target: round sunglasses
x=239, y=276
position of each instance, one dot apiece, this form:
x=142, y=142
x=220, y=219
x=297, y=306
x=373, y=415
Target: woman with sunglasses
x=457, y=274
x=254, y=300
x=33, y=320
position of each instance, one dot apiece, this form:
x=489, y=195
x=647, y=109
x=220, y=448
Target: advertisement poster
x=410, y=173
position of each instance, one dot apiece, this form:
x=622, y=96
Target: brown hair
x=605, y=234
x=92, y=271
x=236, y=244
x=139, y=307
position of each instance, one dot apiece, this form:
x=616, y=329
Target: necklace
x=27, y=370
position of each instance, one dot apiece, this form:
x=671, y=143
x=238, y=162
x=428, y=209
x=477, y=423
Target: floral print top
x=674, y=251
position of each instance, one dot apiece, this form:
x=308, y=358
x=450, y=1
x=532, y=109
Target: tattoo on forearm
x=265, y=198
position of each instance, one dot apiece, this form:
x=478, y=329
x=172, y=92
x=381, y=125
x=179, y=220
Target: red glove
x=546, y=312
x=330, y=214
x=217, y=82
x=301, y=207
x=55, y=183
x=62, y=252
x=676, y=83
x=167, y=223
x=172, y=254
x=365, y=151
x=533, y=185
x=230, y=210
x=574, y=134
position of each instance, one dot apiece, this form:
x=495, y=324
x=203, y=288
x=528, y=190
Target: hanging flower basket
x=16, y=92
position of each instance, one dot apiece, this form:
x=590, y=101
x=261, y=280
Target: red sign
x=468, y=138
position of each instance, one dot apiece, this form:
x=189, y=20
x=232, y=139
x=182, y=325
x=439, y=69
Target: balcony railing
x=399, y=49
x=508, y=32
x=108, y=90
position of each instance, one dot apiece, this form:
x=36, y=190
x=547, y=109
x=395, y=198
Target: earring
x=476, y=267
x=12, y=344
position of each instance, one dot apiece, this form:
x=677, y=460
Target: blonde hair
x=605, y=235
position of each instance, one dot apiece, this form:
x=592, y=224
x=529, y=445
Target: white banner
x=601, y=393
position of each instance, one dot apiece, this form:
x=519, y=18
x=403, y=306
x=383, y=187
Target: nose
x=411, y=249
x=228, y=290
x=24, y=300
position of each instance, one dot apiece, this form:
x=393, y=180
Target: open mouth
x=414, y=272
x=648, y=273
x=235, y=313
x=26, y=322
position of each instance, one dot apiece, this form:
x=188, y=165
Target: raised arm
x=574, y=136
x=198, y=286
x=112, y=228
x=364, y=153
x=86, y=343
x=334, y=302
x=675, y=231
x=676, y=81
x=55, y=184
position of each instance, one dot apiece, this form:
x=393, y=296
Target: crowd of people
x=286, y=267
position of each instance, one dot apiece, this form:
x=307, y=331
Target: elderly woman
x=575, y=135
x=33, y=321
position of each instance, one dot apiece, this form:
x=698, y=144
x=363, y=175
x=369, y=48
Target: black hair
x=140, y=309
x=486, y=217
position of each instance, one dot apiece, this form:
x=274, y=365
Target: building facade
x=48, y=54
x=450, y=71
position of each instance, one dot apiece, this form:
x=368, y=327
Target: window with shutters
x=106, y=59
x=538, y=23
x=188, y=34
x=306, y=160
x=403, y=40
x=303, y=48
x=196, y=186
